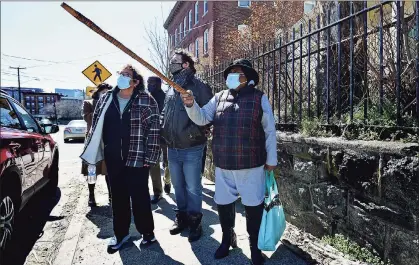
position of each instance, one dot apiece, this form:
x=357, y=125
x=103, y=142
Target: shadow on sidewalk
x=29, y=226
x=134, y=253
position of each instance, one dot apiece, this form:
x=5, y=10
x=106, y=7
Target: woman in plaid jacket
x=125, y=133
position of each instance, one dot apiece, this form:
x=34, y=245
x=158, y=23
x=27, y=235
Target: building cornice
x=173, y=13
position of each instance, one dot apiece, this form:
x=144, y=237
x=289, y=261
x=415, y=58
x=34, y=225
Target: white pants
x=249, y=183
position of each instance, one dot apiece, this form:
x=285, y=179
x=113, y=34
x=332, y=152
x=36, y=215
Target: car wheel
x=7, y=215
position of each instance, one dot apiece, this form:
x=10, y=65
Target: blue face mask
x=123, y=82
x=233, y=80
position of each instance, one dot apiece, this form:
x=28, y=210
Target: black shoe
x=253, y=220
x=229, y=240
x=195, y=227
x=181, y=222
x=148, y=239
x=167, y=188
x=155, y=199
x=227, y=215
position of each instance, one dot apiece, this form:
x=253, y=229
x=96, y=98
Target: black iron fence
x=359, y=67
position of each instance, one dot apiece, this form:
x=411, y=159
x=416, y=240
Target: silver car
x=76, y=129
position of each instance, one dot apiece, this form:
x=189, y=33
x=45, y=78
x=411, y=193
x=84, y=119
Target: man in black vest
x=154, y=87
x=243, y=146
x=186, y=142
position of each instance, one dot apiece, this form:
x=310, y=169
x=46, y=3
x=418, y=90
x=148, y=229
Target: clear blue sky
x=45, y=31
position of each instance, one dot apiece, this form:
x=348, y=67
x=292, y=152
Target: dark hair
x=136, y=76
x=100, y=88
x=187, y=57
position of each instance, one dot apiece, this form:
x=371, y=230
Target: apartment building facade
x=35, y=101
x=199, y=27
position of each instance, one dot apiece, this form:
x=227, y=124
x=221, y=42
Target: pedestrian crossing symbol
x=96, y=73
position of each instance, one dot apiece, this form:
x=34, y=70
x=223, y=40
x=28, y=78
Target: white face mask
x=233, y=80
x=123, y=82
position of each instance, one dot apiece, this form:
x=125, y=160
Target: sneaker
x=148, y=239
x=167, y=188
x=116, y=244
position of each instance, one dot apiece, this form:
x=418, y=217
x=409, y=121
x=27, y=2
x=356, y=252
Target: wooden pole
x=112, y=40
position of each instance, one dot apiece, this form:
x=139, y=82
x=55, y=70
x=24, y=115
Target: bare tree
x=66, y=109
x=159, y=42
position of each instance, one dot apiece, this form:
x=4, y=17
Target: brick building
x=199, y=26
x=35, y=101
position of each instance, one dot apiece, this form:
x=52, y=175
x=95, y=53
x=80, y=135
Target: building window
x=190, y=19
x=180, y=32
x=309, y=6
x=27, y=98
x=40, y=99
x=185, y=26
x=40, y=105
x=244, y=3
x=175, y=37
x=205, y=7
x=206, y=41
x=197, y=48
x=196, y=12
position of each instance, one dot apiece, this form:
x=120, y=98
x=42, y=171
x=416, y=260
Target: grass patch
x=353, y=251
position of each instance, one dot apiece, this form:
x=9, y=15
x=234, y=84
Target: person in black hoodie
x=154, y=87
x=186, y=142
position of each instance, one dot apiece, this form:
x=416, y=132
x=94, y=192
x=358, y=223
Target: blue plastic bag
x=273, y=219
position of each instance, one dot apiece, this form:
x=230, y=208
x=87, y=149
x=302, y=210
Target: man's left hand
x=269, y=168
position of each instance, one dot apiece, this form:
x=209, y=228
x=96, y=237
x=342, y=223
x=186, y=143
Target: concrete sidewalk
x=90, y=229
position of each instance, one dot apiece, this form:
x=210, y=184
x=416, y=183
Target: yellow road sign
x=96, y=73
x=90, y=90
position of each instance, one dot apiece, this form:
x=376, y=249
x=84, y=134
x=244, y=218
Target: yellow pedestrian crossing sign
x=97, y=73
x=90, y=90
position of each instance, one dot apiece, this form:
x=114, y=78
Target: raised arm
x=200, y=116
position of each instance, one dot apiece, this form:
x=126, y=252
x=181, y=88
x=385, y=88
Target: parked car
x=28, y=161
x=75, y=129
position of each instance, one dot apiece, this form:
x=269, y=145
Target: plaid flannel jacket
x=144, y=146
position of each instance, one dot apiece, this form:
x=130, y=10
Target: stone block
x=295, y=196
x=305, y=170
x=322, y=171
x=367, y=227
x=285, y=164
x=330, y=200
x=403, y=247
x=309, y=222
x=318, y=153
x=360, y=171
x=394, y=216
x=400, y=183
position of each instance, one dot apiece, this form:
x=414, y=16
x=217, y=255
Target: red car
x=28, y=161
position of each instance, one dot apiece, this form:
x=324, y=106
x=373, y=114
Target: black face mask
x=175, y=68
x=152, y=88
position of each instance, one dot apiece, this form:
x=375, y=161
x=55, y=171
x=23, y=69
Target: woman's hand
x=269, y=168
x=188, y=99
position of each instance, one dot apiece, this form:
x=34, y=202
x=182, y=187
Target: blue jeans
x=185, y=169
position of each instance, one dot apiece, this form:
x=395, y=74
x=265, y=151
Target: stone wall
x=368, y=191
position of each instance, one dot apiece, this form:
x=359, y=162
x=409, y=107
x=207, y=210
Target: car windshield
x=77, y=123
x=46, y=121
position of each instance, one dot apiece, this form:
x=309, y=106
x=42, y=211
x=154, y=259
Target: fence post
x=351, y=64
x=300, y=114
x=293, y=76
x=279, y=79
x=328, y=70
x=398, y=63
x=309, y=68
x=318, y=69
x=366, y=99
x=339, y=66
x=381, y=61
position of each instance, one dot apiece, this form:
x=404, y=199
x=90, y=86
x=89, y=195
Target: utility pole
x=18, y=80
